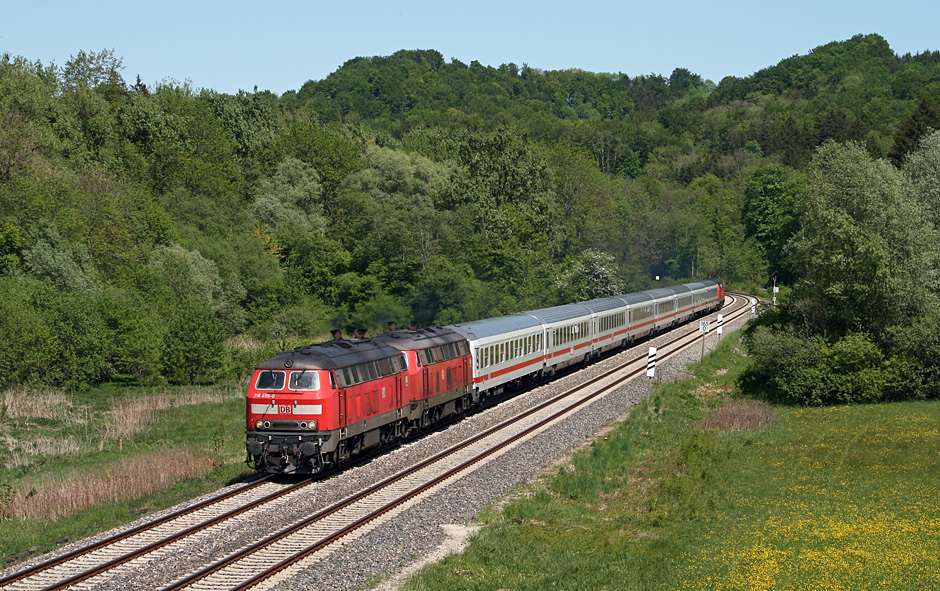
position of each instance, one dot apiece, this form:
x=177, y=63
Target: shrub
x=192, y=344
x=49, y=337
x=790, y=369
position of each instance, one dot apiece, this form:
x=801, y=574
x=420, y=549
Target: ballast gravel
x=416, y=533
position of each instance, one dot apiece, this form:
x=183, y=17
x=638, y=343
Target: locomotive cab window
x=270, y=380
x=304, y=380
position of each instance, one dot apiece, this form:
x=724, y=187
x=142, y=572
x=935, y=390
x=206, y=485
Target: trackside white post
x=703, y=328
x=651, y=363
x=720, y=321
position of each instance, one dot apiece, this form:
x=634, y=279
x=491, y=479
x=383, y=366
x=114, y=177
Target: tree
x=332, y=155
x=593, y=275
x=192, y=345
x=292, y=196
x=923, y=168
x=924, y=118
x=770, y=215
x=865, y=257
x=188, y=274
x=388, y=210
x=52, y=258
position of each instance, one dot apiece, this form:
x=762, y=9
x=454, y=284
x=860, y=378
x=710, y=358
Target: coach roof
x=480, y=329
x=419, y=338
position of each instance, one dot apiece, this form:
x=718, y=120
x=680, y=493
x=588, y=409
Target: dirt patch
x=740, y=415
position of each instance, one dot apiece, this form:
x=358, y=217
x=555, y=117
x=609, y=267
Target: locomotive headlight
x=312, y=425
x=259, y=425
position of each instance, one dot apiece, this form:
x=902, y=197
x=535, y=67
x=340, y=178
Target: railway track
x=277, y=556
x=87, y=561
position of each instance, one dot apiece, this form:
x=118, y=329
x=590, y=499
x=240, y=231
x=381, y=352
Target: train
x=318, y=406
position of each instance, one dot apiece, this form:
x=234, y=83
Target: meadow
x=698, y=490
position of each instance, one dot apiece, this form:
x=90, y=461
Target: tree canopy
x=412, y=187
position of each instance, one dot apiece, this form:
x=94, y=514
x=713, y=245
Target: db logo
x=284, y=409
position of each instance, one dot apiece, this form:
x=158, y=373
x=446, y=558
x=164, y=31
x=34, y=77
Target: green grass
x=830, y=498
x=835, y=498
x=210, y=432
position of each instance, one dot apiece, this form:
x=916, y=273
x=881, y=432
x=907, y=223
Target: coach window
x=304, y=380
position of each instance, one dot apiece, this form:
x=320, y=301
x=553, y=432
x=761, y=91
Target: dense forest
x=177, y=234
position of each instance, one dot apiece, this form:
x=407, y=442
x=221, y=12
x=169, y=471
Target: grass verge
x=785, y=498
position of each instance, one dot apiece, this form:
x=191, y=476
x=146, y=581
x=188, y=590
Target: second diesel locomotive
x=317, y=406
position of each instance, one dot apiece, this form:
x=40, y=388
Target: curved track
x=309, y=540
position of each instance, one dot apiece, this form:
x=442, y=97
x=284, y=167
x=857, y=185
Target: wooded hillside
x=161, y=233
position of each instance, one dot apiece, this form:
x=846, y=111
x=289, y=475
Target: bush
x=135, y=334
x=192, y=344
x=790, y=369
x=49, y=337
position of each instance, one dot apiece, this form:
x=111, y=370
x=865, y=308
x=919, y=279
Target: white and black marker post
x=651, y=363
x=719, y=330
x=703, y=328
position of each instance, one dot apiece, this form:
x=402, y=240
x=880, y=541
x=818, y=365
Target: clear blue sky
x=278, y=46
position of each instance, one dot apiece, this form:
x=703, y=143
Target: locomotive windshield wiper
x=296, y=379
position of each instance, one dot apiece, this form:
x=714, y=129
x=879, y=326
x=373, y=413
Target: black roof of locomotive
x=331, y=354
x=419, y=338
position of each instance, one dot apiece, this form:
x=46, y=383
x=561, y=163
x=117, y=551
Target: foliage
x=865, y=251
x=52, y=258
x=923, y=119
x=593, y=276
x=805, y=370
x=412, y=187
x=51, y=337
x=923, y=168
x=192, y=345
x=770, y=212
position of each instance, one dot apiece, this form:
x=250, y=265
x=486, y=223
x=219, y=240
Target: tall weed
x=131, y=478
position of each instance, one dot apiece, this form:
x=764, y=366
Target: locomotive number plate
x=284, y=409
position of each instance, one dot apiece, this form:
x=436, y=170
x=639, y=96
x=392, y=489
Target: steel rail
x=371, y=516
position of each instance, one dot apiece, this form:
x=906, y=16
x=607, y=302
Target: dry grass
x=132, y=478
x=22, y=403
x=740, y=415
x=127, y=417
x=23, y=452
x=131, y=416
x=709, y=395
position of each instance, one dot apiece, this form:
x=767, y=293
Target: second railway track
x=280, y=552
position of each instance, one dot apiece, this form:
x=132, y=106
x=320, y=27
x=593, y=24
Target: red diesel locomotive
x=315, y=406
